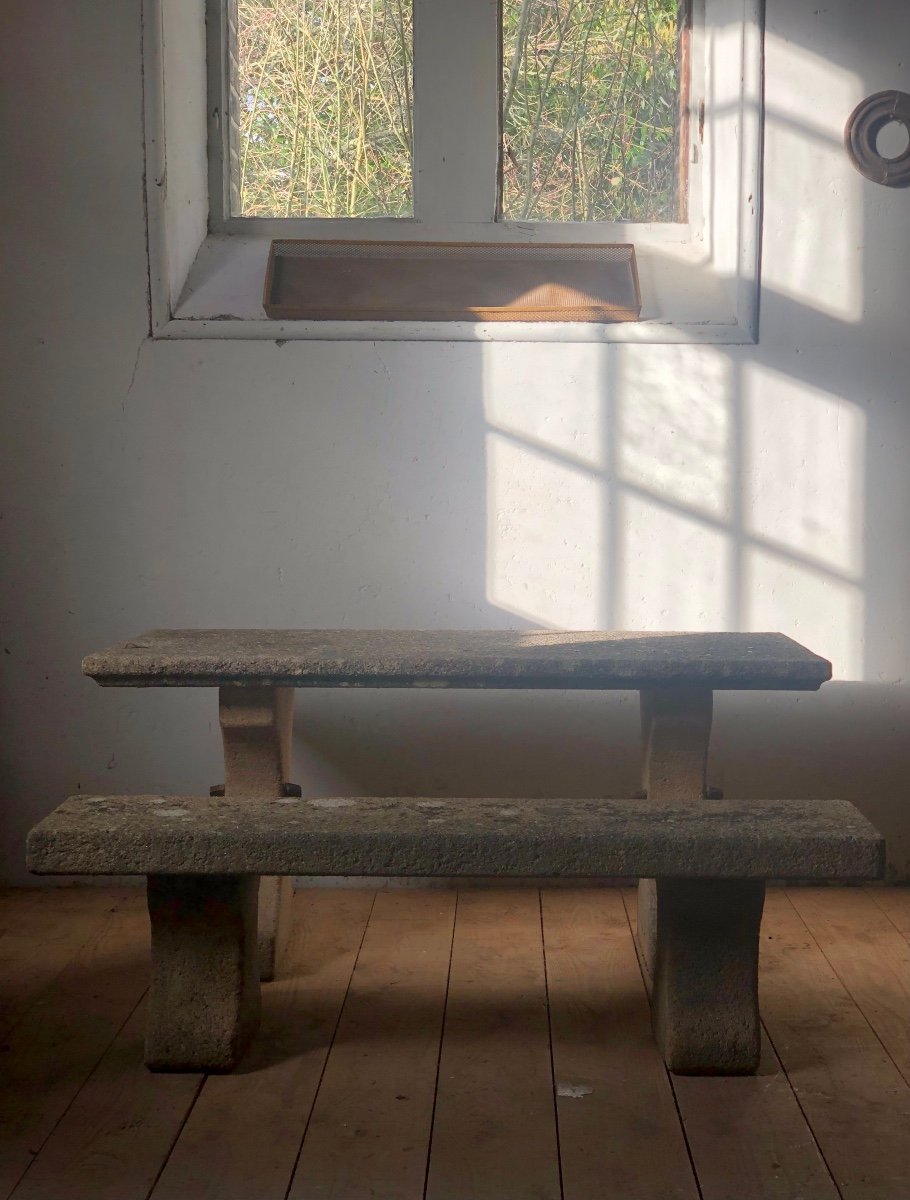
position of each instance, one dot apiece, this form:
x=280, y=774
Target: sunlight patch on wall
x=672, y=569
x=733, y=81
x=824, y=613
x=544, y=531
x=559, y=410
x=813, y=228
x=673, y=427
x=804, y=517
x=804, y=480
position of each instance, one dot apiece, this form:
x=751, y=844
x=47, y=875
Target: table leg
x=676, y=728
x=705, y=995
x=256, y=727
x=204, y=995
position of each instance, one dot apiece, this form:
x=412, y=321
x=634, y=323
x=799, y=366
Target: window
x=321, y=95
x=594, y=110
x=321, y=103
x=455, y=120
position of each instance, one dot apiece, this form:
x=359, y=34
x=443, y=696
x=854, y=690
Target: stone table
x=256, y=671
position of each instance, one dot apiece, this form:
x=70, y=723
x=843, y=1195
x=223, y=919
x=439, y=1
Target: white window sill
x=684, y=300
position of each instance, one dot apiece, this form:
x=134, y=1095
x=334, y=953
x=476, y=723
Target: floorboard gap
x=445, y=1005
x=176, y=1138
x=325, y=1061
x=546, y=984
x=845, y=985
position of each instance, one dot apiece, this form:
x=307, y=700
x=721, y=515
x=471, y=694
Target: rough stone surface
x=457, y=659
x=275, y=896
x=202, y=835
x=704, y=1004
x=204, y=994
x=256, y=730
x=675, y=732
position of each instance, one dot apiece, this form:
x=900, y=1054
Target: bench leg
x=256, y=726
x=675, y=729
x=704, y=1002
x=204, y=996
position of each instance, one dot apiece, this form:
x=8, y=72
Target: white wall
x=212, y=483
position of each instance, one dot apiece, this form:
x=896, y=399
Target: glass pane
x=591, y=110
x=321, y=101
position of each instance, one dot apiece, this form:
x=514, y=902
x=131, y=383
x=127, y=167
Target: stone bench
x=203, y=856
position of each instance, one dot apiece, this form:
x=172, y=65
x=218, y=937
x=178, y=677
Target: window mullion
x=456, y=110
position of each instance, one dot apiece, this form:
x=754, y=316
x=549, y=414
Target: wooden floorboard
x=36, y=945
x=369, y=1132
x=853, y=1096
x=608, y=1071
x=895, y=904
x=500, y=1052
x=62, y=1037
x=494, y=1133
x=749, y=1139
x=256, y=1116
x=112, y=1140
x=871, y=959
x=747, y=1136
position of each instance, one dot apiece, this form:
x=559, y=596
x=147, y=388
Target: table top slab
x=381, y=658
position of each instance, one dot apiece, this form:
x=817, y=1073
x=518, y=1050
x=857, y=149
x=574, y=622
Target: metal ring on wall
x=866, y=122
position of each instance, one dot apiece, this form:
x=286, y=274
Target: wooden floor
x=481, y=1045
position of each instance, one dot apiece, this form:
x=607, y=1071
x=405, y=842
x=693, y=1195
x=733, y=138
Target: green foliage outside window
x=590, y=110
x=322, y=109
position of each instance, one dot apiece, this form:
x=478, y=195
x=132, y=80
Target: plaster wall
x=450, y=485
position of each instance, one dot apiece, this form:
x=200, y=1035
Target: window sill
x=684, y=300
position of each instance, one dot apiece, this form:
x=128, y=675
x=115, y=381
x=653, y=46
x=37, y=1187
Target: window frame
x=699, y=277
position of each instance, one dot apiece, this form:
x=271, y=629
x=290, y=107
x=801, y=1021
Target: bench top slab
x=457, y=659
x=764, y=839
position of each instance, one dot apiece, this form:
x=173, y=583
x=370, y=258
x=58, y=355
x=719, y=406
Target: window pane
x=321, y=101
x=591, y=110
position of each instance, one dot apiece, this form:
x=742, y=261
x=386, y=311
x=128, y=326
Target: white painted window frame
x=700, y=279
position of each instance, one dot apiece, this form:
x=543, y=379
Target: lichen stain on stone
x=332, y=802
